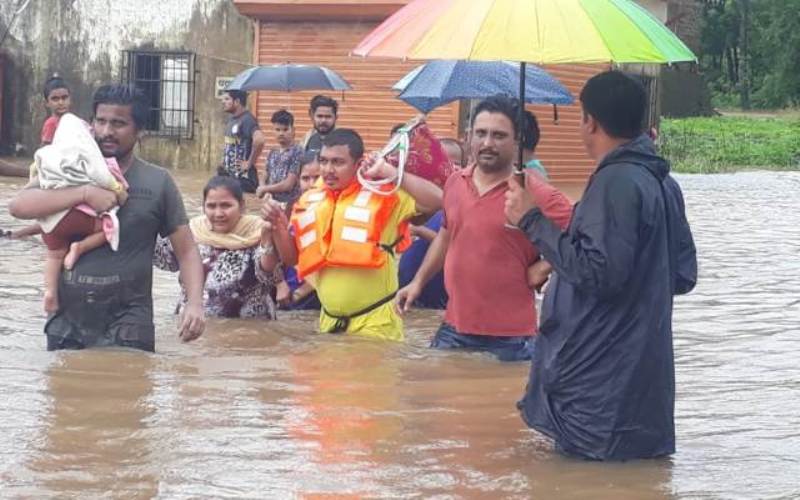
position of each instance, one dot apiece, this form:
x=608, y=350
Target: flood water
x=273, y=410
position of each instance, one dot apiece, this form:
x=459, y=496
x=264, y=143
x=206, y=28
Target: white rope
x=401, y=142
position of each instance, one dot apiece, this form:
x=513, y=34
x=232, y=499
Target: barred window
x=167, y=79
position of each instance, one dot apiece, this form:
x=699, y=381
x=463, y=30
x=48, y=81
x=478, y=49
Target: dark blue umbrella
x=288, y=78
x=439, y=82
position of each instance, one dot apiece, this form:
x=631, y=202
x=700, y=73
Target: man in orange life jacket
x=346, y=238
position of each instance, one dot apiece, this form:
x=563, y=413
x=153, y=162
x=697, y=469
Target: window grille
x=168, y=81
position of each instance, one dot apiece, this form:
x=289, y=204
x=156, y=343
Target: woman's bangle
x=267, y=249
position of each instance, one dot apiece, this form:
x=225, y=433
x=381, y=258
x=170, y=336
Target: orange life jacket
x=344, y=230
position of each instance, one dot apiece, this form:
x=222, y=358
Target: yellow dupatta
x=246, y=233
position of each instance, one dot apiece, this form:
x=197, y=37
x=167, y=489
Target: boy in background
x=283, y=162
x=57, y=100
x=530, y=139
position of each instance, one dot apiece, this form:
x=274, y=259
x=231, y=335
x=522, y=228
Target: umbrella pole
x=520, y=172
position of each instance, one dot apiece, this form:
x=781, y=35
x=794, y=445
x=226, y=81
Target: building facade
x=325, y=31
x=181, y=52
x=175, y=50
x=683, y=90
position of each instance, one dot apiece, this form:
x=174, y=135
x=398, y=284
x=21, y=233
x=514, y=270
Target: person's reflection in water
x=555, y=476
x=94, y=441
x=464, y=442
x=352, y=412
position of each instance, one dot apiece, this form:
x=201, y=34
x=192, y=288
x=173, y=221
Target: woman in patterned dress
x=238, y=255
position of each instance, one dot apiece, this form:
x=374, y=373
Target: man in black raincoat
x=602, y=382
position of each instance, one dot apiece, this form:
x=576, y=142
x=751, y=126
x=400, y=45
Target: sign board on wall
x=220, y=84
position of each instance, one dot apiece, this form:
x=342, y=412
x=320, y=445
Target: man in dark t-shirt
x=107, y=297
x=323, y=112
x=244, y=141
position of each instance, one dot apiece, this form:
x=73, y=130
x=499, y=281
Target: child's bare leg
x=31, y=230
x=52, y=268
x=94, y=240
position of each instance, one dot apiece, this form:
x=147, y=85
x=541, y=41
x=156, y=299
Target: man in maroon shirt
x=486, y=262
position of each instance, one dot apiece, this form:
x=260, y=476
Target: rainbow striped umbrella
x=536, y=31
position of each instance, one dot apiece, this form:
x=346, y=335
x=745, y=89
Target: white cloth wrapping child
x=74, y=159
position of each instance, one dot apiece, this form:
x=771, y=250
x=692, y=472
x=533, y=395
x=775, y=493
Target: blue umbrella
x=288, y=78
x=439, y=82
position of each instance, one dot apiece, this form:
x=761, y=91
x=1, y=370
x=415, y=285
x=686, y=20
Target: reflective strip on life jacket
x=344, y=231
x=307, y=239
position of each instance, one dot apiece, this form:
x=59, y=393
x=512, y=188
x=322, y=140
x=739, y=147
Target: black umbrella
x=289, y=78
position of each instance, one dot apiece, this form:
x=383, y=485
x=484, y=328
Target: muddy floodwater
x=274, y=410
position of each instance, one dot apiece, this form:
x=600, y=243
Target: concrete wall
x=685, y=19
x=656, y=7
x=83, y=40
x=681, y=88
x=684, y=93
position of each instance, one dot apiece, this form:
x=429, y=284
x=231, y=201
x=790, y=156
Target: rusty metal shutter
x=561, y=148
x=371, y=108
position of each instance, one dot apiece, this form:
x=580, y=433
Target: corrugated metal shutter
x=561, y=149
x=370, y=108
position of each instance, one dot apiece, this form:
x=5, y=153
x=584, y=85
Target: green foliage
x=773, y=54
x=724, y=144
x=776, y=53
x=724, y=100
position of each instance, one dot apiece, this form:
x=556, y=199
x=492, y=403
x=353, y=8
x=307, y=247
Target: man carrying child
x=106, y=299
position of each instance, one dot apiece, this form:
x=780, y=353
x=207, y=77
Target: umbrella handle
x=519, y=175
